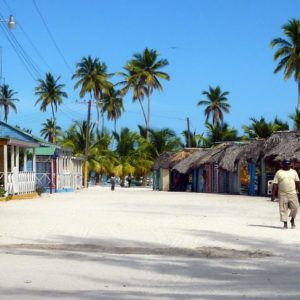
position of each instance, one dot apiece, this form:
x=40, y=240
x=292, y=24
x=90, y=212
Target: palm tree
x=216, y=104
x=49, y=130
x=126, y=153
x=113, y=106
x=144, y=72
x=99, y=159
x=92, y=79
x=260, y=128
x=50, y=92
x=280, y=125
x=196, y=140
x=163, y=140
x=220, y=132
x=296, y=119
x=7, y=100
x=288, y=52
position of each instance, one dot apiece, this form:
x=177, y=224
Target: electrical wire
x=22, y=59
x=52, y=38
x=28, y=38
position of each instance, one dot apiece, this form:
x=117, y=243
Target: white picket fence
x=18, y=183
x=26, y=182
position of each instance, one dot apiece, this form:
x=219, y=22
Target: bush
x=2, y=191
x=40, y=190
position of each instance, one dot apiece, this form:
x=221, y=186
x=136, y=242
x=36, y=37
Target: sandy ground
x=143, y=244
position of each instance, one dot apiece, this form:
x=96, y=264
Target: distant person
x=129, y=178
x=112, y=182
x=286, y=183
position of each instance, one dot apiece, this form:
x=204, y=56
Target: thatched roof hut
x=163, y=160
x=283, y=144
x=212, y=155
x=167, y=160
x=185, y=165
x=181, y=155
x=231, y=154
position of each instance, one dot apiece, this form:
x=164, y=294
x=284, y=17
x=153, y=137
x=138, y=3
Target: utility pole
x=87, y=144
x=188, y=132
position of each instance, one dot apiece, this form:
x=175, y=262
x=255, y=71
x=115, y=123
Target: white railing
x=64, y=181
x=18, y=182
x=26, y=182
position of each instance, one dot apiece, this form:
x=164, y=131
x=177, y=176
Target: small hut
x=280, y=145
x=161, y=171
x=165, y=180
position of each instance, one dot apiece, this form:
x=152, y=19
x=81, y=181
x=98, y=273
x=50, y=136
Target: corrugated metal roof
x=47, y=151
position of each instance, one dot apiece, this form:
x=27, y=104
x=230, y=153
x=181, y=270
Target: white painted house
x=28, y=162
x=15, y=148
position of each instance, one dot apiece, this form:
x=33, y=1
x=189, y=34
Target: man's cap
x=286, y=162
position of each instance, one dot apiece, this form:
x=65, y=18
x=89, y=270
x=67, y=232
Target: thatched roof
x=167, y=160
x=283, y=144
x=185, y=165
x=163, y=160
x=181, y=155
x=230, y=156
x=212, y=155
x=279, y=146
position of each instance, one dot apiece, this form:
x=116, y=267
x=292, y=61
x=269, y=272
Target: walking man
x=286, y=183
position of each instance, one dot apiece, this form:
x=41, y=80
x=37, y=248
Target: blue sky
x=207, y=42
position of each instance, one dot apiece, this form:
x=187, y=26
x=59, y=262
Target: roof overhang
x=13, y=142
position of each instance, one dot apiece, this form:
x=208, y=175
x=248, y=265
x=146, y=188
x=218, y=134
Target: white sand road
x=142, y=244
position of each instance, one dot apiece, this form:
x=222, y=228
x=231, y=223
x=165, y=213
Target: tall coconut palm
x=144, y=72
x=113, y=106
x=288, y=52
x=50, y=93
x=49, y=130
x=216, y=104
x=296, y=119
x=92, y=80
x=7, y=100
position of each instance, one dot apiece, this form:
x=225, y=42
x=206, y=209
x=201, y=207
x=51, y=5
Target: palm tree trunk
x=6, y=108
x=298, y=107
x=115, y=125
x=54, y=123
x=102, y=116
x=144, y=114
x=148, y=117
x=98, y=114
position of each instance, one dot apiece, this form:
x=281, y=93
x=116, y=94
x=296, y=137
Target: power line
x=28, y=38
x=52, y=38
x=22, y=59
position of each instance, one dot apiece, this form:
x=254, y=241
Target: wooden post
x=50, y=175
x=25, y=160
x=33, y=160
x=87, y=144
x=188, y=132
x=12, y=158
x=17, y=157
x=5, y=167
x=262, y=178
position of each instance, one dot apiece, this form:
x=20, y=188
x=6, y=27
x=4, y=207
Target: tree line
x=130, y=152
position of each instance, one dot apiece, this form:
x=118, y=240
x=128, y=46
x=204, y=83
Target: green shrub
x=40, y=190
x=2, y=191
